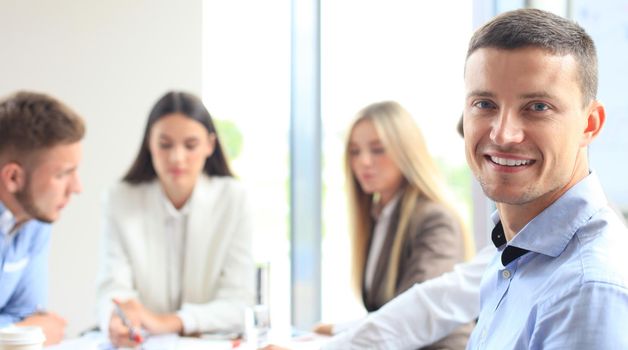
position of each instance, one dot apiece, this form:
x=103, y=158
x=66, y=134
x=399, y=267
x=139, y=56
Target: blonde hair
x=404, y=144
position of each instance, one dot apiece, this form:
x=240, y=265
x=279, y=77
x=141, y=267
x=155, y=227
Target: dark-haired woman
x=177, y=235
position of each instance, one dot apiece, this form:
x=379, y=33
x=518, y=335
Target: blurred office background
x=279, y=101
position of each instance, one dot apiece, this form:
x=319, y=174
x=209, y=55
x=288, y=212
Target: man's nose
x=507, y=129
x=76, y=185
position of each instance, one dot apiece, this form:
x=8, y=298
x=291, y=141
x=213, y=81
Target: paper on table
x=98, y=341
x=90, y=341
x=305, y=341
x=203, y=344
x=161, y=342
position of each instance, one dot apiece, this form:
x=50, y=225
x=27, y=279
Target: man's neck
x=514, y=217
x=12, y=205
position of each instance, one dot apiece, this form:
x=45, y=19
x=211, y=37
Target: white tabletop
x=97, y=341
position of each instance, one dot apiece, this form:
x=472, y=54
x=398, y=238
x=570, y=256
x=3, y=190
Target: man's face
x=524, y=124
x=50, y=183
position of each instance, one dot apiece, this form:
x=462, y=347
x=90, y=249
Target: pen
x=133, y=334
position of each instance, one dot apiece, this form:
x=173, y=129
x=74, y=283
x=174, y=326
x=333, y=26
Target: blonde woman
x=403, y=230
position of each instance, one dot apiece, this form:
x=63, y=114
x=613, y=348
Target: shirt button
x=506, y=274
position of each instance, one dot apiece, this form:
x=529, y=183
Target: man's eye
x=539, y=107
x=484, y=104
x=63, y=174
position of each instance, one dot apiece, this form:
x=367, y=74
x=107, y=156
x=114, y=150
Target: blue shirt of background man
x=561, y=282
x=23, y=268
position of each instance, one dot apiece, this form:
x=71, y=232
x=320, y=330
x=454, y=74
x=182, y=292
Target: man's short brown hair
x=536, y=28
x=30, y=122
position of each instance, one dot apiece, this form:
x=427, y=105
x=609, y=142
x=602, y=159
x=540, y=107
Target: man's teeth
x=510, y=162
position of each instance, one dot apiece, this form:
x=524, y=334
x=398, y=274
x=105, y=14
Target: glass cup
x=257, y=325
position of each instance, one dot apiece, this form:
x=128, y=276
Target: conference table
x=98, y=341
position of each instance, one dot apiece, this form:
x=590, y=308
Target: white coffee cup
x=22, y=338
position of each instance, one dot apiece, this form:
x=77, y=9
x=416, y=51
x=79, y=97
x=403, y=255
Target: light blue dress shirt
x=566, y=286
x=23, y=268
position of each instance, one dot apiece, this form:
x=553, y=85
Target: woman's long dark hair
x=191, y=107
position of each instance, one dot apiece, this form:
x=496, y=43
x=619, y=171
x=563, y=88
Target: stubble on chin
x=26, y=199
x=503, y=191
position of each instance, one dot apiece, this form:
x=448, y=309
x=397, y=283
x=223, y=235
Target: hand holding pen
x=134, y=333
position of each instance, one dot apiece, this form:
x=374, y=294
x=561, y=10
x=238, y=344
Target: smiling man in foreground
x=530, y=114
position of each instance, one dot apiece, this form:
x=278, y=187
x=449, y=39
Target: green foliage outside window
x=230, y=136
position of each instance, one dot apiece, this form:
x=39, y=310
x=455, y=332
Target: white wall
x=109, y=60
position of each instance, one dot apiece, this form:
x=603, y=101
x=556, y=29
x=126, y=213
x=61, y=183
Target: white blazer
x=218, y=268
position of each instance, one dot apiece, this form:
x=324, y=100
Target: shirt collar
x=510, y=253
x=549, y=232
x=7, y=220
x=387, y=210
x=173, y=212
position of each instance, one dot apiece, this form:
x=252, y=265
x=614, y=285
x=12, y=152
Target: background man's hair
x=31, y=121
x=537, y=28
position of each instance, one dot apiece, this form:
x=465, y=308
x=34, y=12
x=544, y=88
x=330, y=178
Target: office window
x=409, y=51
x=246, y=87
x=607, y=23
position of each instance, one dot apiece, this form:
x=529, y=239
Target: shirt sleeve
x=115, y=275
x=591, y=317
x=424, y=313
x=340, y=327
x=30, y=293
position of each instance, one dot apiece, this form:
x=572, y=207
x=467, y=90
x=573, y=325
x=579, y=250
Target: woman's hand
x=273, y=347
x=140, y=318
x=161, y=323
x=324, y=328
x=119, y=332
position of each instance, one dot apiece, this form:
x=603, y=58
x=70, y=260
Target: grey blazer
x=432, y=246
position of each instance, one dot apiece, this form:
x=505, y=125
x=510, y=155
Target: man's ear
x=595, y=120
x=12, y=177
